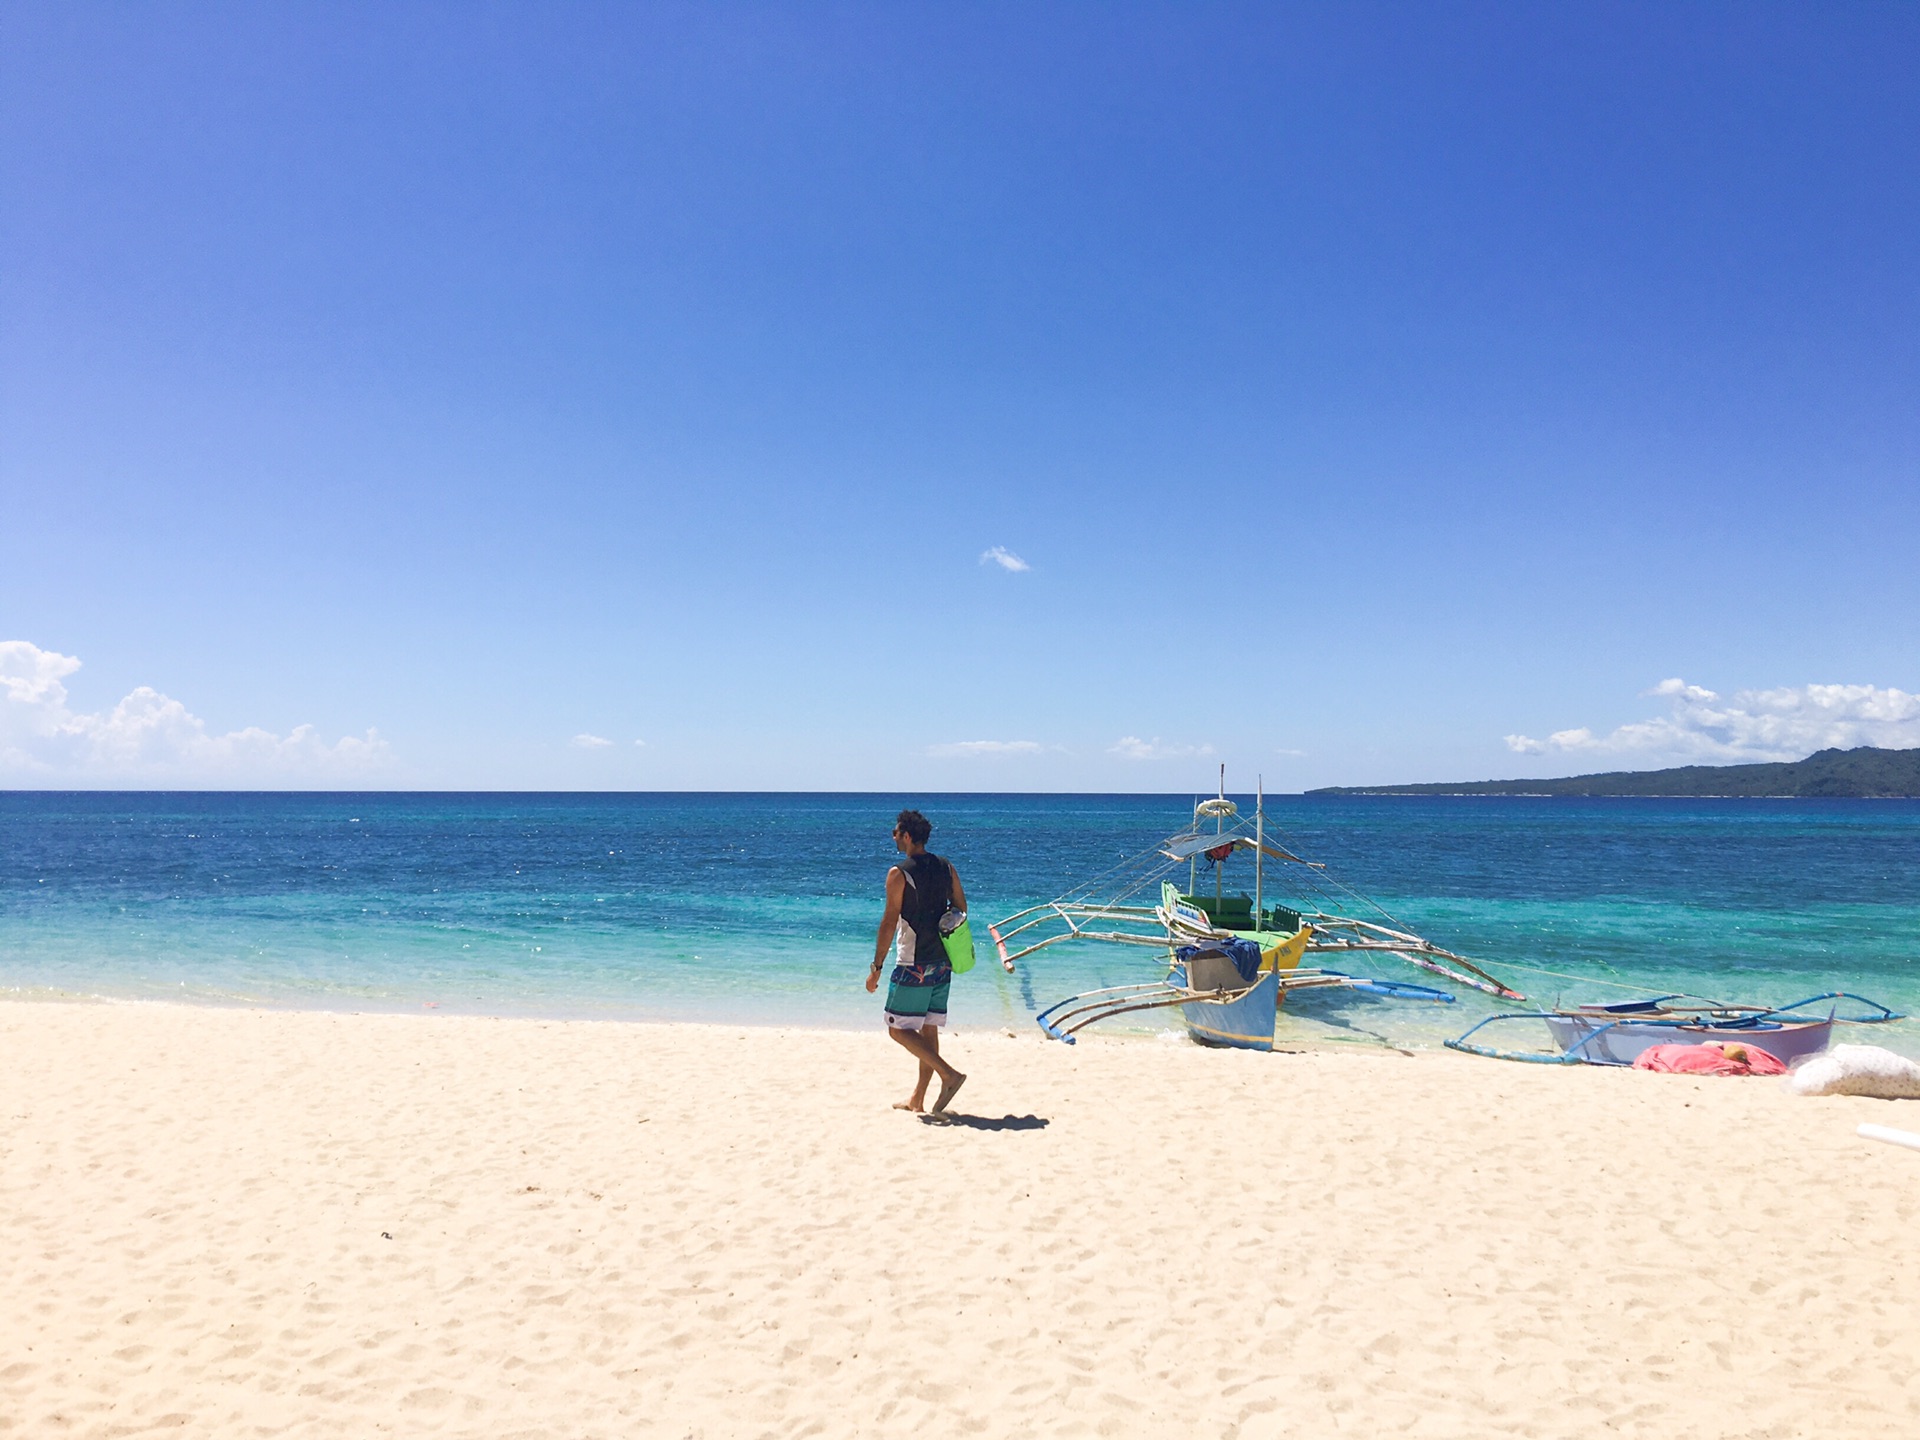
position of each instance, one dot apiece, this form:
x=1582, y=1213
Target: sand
x=238, y=1223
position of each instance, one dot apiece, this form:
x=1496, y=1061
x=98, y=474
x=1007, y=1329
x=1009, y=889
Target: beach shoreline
x=248, y=1221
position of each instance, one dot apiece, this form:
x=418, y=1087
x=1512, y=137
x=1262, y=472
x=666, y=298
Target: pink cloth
x=1725, y=1058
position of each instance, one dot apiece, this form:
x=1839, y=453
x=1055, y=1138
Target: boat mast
x=1193, y=860
x=1219, y=825
x=1259, y=841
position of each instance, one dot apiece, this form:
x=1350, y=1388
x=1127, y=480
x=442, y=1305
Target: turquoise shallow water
x=761, y=908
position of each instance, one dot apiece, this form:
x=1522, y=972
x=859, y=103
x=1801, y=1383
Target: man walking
x=919, y=890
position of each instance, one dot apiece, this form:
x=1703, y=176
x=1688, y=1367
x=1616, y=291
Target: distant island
x=1864, y=773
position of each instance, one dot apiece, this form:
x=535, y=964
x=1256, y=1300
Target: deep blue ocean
x=761, y=908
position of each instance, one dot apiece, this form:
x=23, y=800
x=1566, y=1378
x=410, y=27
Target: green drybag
x=958, y=943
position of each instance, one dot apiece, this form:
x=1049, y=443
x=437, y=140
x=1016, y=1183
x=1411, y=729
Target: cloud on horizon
x=1132, y=747
x=984, y=749
x=150, y=736
x=1004, y=558
x=591, y=742
x=1788, y=723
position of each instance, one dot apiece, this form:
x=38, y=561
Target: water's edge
x=760, y=909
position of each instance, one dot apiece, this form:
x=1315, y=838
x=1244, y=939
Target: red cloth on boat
x=1711, y=1059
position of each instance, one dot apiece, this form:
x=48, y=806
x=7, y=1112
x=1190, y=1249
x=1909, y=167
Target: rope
x=1318, y=882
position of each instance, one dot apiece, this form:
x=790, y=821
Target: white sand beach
x=249, y=1223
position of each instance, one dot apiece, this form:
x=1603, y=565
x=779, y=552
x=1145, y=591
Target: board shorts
x=917, y=1007
x=917, y=993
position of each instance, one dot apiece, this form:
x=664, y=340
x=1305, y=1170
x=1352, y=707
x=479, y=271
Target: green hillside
x=1863, y=773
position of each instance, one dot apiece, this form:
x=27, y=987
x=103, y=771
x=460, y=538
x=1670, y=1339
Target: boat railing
x=1159, y=926
x=1078, y=920
x=1885, y=1013
x=1338, y=933
x=1572, y=1055
x=1076, y=1012
x=1680, y=1020
x=1059, y=1022
x=1701, y=1011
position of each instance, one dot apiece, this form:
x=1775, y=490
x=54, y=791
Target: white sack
x=1856, y=1070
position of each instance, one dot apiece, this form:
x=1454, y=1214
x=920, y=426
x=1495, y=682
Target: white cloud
x=974, y=749
x=1004, y=558
x=1132, y=747
x=591, y=742
x=150, y=737
x=639, y=742
x=1788, y=723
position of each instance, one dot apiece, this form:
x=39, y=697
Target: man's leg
x=918, y=1100
x=931, y=1035
x=936, y=1016
x=929, y=1058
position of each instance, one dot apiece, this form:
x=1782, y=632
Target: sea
x=761, y=909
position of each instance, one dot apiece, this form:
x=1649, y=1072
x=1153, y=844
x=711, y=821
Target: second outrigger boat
x=1231, y=958
x=1618, y=1034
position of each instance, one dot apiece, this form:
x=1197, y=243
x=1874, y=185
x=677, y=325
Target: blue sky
x=1372, y=392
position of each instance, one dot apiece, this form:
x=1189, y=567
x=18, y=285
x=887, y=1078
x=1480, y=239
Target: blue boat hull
x=1245, y=1023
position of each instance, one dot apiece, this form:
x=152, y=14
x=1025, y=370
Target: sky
x=953, y=397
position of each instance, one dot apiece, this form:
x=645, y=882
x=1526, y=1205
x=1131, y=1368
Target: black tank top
x=929, y=892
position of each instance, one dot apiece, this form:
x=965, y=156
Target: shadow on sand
x=983, y=1122
x=1330, y=1008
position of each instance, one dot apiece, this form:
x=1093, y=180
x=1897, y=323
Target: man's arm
x=959, y=901
x=896, y=893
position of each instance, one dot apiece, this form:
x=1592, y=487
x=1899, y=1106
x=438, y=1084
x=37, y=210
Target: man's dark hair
x=917, y=826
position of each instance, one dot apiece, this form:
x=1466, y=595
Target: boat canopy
x=1188, y=844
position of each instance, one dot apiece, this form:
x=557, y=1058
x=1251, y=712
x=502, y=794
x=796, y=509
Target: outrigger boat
x=1619, y=1034
x=1231, y=958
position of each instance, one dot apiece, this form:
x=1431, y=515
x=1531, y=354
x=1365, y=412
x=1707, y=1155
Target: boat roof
x=1190, y=843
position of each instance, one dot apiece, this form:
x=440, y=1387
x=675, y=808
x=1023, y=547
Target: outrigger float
x=1618, y=1034
x=1231, y=959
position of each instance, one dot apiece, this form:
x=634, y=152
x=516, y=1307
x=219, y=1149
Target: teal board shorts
x=915, y=1007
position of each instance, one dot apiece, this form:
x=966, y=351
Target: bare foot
x=948, y=1089
x=915, y=1105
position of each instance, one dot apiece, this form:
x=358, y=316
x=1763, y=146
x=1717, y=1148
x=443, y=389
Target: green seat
x=1283, y=921
x=1235, y=912
x=1229, y=912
